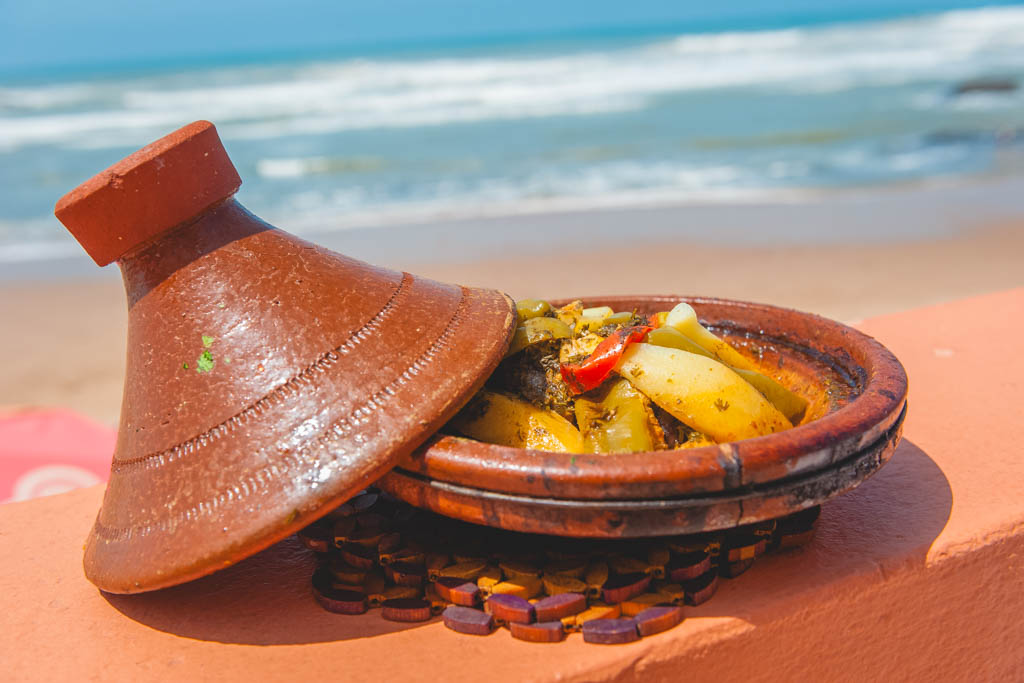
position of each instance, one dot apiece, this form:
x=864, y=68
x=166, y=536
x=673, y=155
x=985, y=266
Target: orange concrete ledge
x=916, y=575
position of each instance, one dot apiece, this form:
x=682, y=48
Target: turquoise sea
x=720, y=113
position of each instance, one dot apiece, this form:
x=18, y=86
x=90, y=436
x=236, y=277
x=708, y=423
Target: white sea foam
x=598, y=185
x=290, y=168
x=609, y=184
x=20, y=252
x=42, y=98
x=324, y=97
x=327, y=217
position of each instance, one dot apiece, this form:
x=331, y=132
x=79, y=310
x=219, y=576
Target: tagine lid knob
x=150, y=192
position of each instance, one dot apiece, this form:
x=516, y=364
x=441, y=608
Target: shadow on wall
x=890, y=520
x=263, y=600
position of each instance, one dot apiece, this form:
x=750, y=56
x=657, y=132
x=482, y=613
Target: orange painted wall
x=918, y=574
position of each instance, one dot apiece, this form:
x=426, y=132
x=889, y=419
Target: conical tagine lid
x=267, y=379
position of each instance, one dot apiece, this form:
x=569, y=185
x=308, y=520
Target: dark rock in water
x=956, y=137
x=1000, y=136
x=985, y=84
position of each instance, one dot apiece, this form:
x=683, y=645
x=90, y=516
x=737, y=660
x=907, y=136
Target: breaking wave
x=258, y=102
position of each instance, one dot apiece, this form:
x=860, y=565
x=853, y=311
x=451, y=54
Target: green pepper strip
x=595, y=368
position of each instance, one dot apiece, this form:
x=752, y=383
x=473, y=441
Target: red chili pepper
x=595, y=368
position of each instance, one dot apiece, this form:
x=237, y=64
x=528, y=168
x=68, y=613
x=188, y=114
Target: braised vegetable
x=672, y=338
x=536, y=330
x=700, y=392
x=788, y=403
x=598, y=365
x=531, y=308
x=577, y=348
x=534, y=374
x=570, y=314
x=620, y=421
x=624, y=318
x=593, y=318
x=509, y=421
x=596, y=380
x=684, y=319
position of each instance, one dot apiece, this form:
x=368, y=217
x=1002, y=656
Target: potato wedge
x=788, y=403
x=684, y=319
x=700, y=392
x=509, y=421
x=672, y=338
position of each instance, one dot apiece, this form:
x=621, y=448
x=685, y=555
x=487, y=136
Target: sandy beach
x=65, y=322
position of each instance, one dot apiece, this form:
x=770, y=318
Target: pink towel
x=43, y=452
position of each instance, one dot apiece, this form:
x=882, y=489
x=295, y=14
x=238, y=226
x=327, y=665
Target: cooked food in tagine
x=594, y=380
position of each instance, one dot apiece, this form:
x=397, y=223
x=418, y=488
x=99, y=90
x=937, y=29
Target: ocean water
x=331, y=143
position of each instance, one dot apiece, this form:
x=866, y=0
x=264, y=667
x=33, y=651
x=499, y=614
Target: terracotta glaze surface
x=914, y=575
x=267, y=379
x=856, y=388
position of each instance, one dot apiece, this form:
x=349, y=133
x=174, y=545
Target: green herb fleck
x=205, y=362
x=185, y=365
x=222, y=305
x=572, y=461
x=207, y=342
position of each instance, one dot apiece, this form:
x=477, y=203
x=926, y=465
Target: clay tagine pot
x=857, y=392
x=268, y=379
